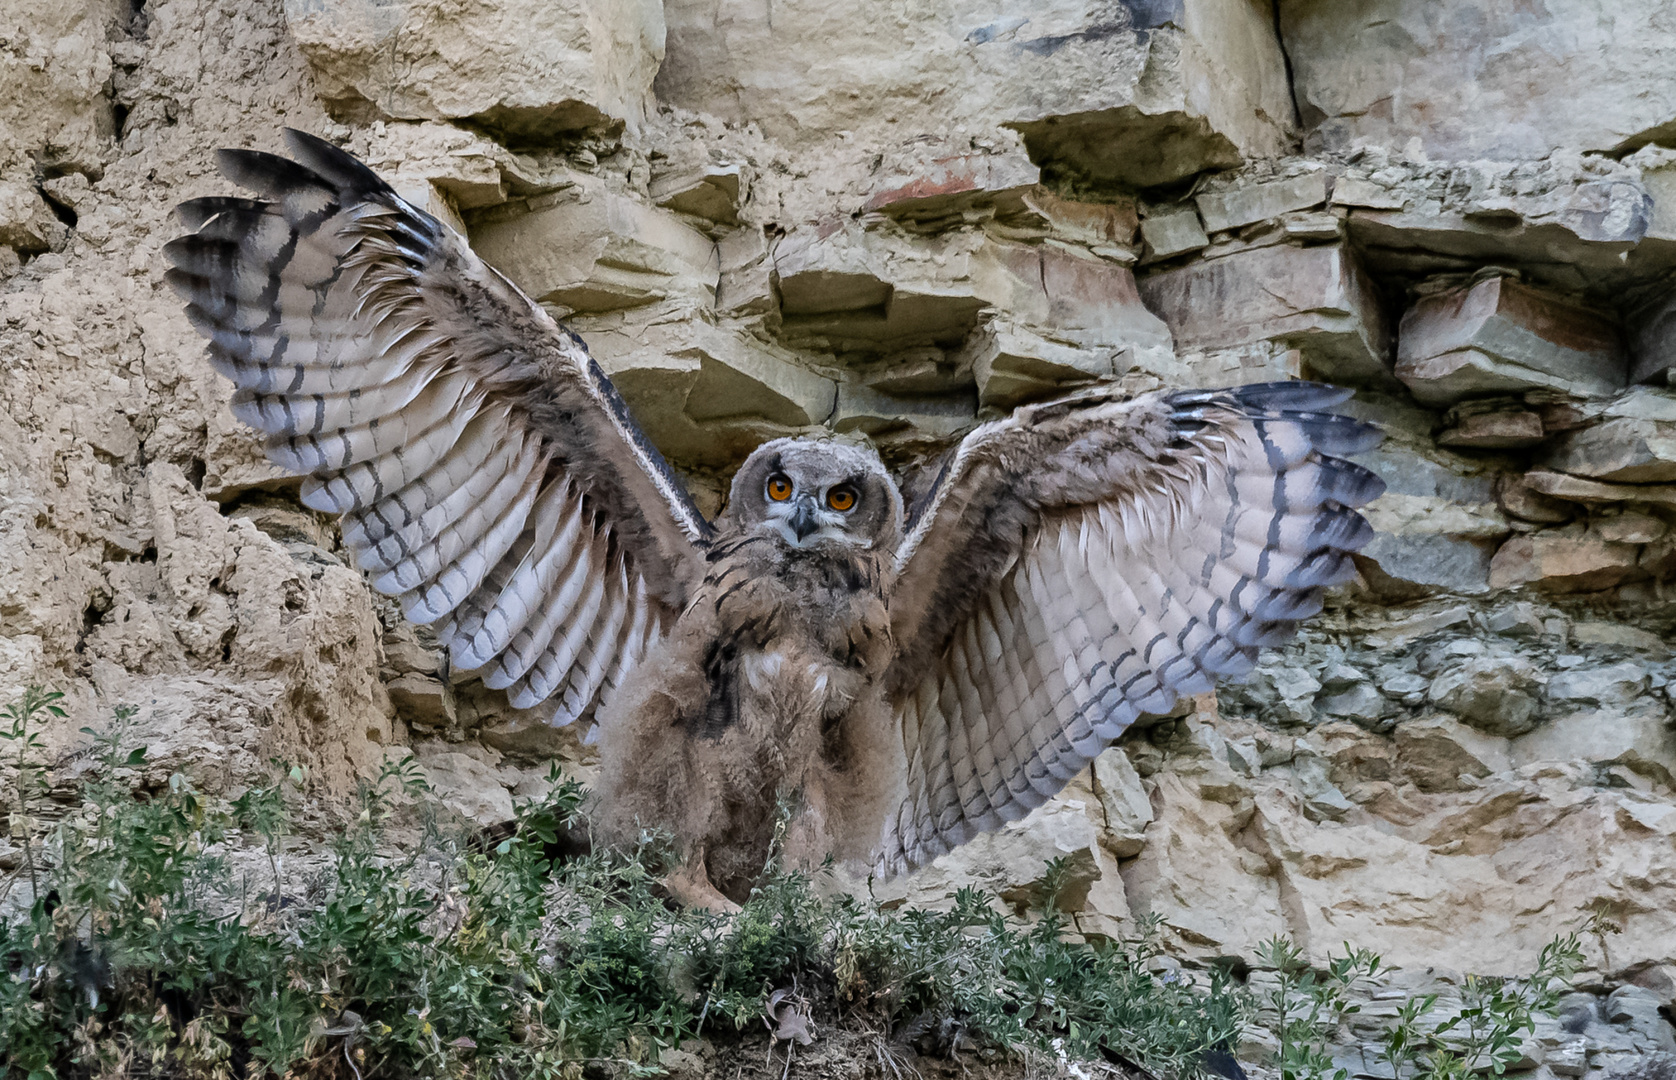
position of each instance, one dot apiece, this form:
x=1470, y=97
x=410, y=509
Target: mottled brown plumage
x=904, y=684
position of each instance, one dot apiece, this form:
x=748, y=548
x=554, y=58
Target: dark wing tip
x=334, y=164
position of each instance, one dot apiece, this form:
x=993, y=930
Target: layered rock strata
x=895, y=222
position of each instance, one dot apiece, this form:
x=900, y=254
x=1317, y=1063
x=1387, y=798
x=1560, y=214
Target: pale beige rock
x=529, y=69
x=1435, y=752
x=1354, y=191
x=468, y=786
x=706, y=394
x=1011, y=864
x=1639, y=737
x=26, y=222
x=1108, y=97
x=1314, y=299
x=713, y=192
x=1576, y=489
x=421, y=701
x=1237, y=206
x=1622, y=450
x=1175, y=233
x=54, y=75
x=1563, y=560
x=585, y=249
x=1570, y=74
x=1496, y=336
x=1127, y=808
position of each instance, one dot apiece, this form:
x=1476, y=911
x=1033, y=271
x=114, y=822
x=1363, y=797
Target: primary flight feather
x=907, y=681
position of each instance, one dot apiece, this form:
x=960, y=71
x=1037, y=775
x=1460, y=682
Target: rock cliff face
x=898, y=220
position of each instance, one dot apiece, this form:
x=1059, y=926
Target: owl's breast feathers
x=782, y=616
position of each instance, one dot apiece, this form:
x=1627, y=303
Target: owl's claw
x=690, y=885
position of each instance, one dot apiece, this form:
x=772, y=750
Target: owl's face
x=805, y=493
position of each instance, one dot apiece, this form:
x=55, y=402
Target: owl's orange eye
x=841, y=498
x=779, y=488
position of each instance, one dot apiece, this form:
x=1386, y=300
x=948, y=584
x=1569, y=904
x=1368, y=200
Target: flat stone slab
x=1577, y=489
x=1258, y=202
x=1315, y=299
x=1494, y=431
x=1625, y=450
x=1176, y=233
x=1498, y=336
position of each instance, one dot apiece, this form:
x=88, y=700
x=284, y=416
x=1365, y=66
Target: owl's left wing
x=485, y=469
x=1088, y=560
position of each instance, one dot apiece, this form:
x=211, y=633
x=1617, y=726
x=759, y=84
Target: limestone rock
x=1494, y=431
x=953, y=183
x=1315, y=299
x=1516, y=496
x=1128, y=809
x=586, y=249
x=1435, y=752
x=1242, y=205
x=1011, y=863
x=421, y=700
x=1638, y=737
x=1495, y=694
x=1621, y=450
x=1576, y=489
x=1175, y=233
x=468, y=786
x=1136, y=97
x=706, y=394
x=1563, y=560
x=1498, y=336
x=1565, y=75
x=1652, y=334
x=26, y=222
x=1615, y=685
x=527, y=68
x=54, y=76
x=712, y=192
x=1356, y=191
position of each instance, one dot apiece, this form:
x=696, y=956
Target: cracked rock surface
x=896, y=221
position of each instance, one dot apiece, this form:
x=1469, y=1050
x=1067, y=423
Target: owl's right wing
x=487, y=472
x=1087, y=560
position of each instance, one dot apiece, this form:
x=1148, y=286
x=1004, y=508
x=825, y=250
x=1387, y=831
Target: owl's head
x=807, y=492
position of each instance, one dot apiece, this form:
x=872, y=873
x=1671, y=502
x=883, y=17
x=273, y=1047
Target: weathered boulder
x=584, y=249
x=55, y=74
x=1245, y=204
x=1568, y=559
x=1130, y=95
x=529, y=69
x=1638, y=737
x=1436, y=752
x=1497, y=336
x=1574, y=73
x=1315, y=299
x=1495, y=694
x=1623, y=450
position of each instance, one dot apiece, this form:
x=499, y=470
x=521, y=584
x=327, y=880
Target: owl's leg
x=690, y=884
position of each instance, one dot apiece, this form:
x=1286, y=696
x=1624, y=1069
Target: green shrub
x=141, y=951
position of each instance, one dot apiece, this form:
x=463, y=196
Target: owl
x=902, y=679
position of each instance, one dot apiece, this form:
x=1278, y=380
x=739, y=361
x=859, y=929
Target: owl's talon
x=690, y=886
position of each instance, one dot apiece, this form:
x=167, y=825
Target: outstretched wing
x=486, y=470
x=1088, y=560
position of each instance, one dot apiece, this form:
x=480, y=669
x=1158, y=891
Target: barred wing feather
x=1090, y=560
x=486, y=472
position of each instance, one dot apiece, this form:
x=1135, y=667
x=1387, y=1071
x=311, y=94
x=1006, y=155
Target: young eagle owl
x=909, y=680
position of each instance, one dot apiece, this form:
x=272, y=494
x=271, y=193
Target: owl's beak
x=803, y=521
